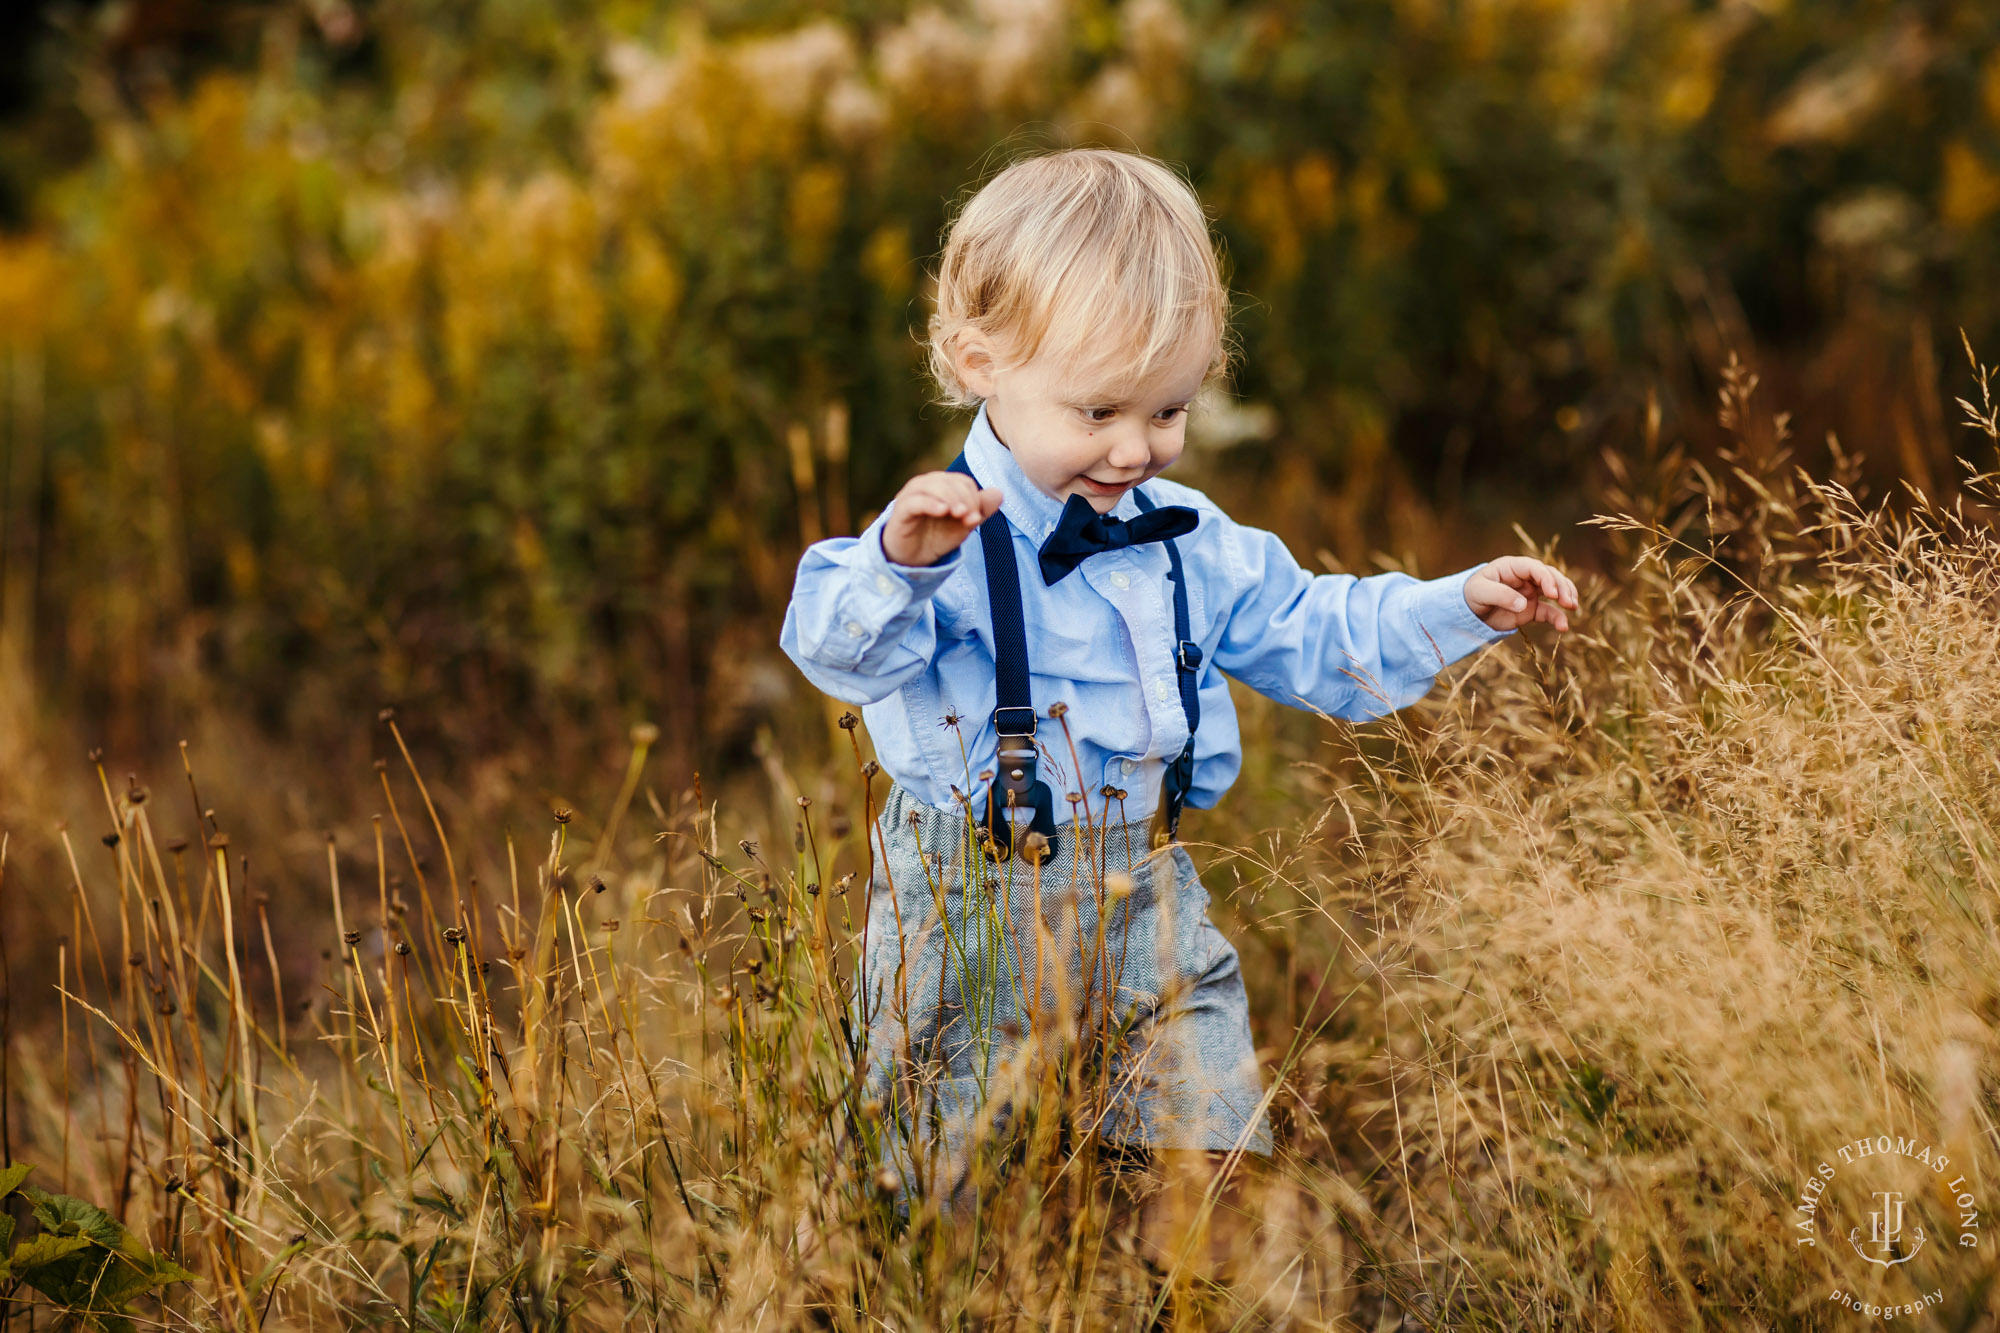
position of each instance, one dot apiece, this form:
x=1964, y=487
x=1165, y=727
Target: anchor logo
x=1885, y=1229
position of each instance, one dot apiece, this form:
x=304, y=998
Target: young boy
x=1080, y=305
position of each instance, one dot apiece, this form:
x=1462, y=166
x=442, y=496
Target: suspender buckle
x=1024, y=717
x=1187, y=655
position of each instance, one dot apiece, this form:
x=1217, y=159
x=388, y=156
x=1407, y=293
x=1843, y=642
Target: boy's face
x=1071, y=440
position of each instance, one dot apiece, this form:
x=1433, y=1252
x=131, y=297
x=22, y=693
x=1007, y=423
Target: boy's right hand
x=933, y=515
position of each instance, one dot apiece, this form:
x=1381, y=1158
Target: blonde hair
x=1101, y=259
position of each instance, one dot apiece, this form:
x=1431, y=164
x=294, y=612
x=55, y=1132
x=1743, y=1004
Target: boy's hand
x=1518, y=590
x=933, y=515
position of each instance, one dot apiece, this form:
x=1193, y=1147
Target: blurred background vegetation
x=496, y=360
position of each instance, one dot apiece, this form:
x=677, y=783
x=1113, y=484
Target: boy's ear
x=972, y=358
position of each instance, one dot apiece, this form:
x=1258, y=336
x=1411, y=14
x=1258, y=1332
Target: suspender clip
x=1188, y=655
x=1018, y=786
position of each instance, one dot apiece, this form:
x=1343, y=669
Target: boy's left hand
x=1517, y=590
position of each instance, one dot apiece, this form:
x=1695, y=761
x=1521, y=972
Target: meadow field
x=1567, y=982
x=428, y=899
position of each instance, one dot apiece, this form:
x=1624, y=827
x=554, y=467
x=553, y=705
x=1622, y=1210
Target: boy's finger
x=1491, y=592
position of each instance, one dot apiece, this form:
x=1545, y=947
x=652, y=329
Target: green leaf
x=438, y=1205
x=11, y=1178
x=278, y=1261
x=6, y=1235
x=63, y=1215
x=45, y=1251
x=159, y=1269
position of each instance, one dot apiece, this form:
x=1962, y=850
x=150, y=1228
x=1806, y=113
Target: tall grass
x=1583, y=968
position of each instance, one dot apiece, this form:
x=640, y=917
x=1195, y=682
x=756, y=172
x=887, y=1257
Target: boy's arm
x=859, y=625
x=1353, y=647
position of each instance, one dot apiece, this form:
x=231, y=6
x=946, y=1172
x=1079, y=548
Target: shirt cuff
x=1442, y=611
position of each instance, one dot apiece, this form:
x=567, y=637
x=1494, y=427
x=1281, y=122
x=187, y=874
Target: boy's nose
x=1128, y=451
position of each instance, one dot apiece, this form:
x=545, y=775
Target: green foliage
x=81, y=1259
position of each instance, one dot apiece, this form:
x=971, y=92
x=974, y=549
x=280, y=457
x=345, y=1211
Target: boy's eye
x=1099, y=415
x=1166, y=415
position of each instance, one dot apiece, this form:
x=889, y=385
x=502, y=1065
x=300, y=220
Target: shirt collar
x=1031, y=510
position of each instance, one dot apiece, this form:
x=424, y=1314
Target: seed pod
x=887, y=1181
x=849, y=722
x=350, y=938
x=402, y=948
x=644, y=733
x=1058, y=709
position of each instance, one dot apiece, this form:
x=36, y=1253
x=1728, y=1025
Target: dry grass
x=1586, y=966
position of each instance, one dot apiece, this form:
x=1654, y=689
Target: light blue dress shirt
x=914, y=646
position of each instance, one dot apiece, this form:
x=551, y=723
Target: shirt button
x=1121, y=580
x=1128, y=767
x=883, y=584
x=1161, y=690
x=855, y=629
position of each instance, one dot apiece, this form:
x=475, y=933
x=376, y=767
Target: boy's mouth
x=1092, y=486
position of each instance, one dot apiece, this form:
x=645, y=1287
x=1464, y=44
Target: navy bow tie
x=1082, y=532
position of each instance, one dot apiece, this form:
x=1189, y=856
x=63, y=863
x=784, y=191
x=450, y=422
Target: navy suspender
x=1187, y=666
x=1017, y=786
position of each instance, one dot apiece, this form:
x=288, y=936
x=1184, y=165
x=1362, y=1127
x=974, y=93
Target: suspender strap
x=1016, y=784
x=1187, y=663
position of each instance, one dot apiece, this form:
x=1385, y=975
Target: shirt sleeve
x=859, y=625
x=1355, y=648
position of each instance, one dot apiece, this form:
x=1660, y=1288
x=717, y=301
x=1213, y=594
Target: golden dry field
x=428, y=899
